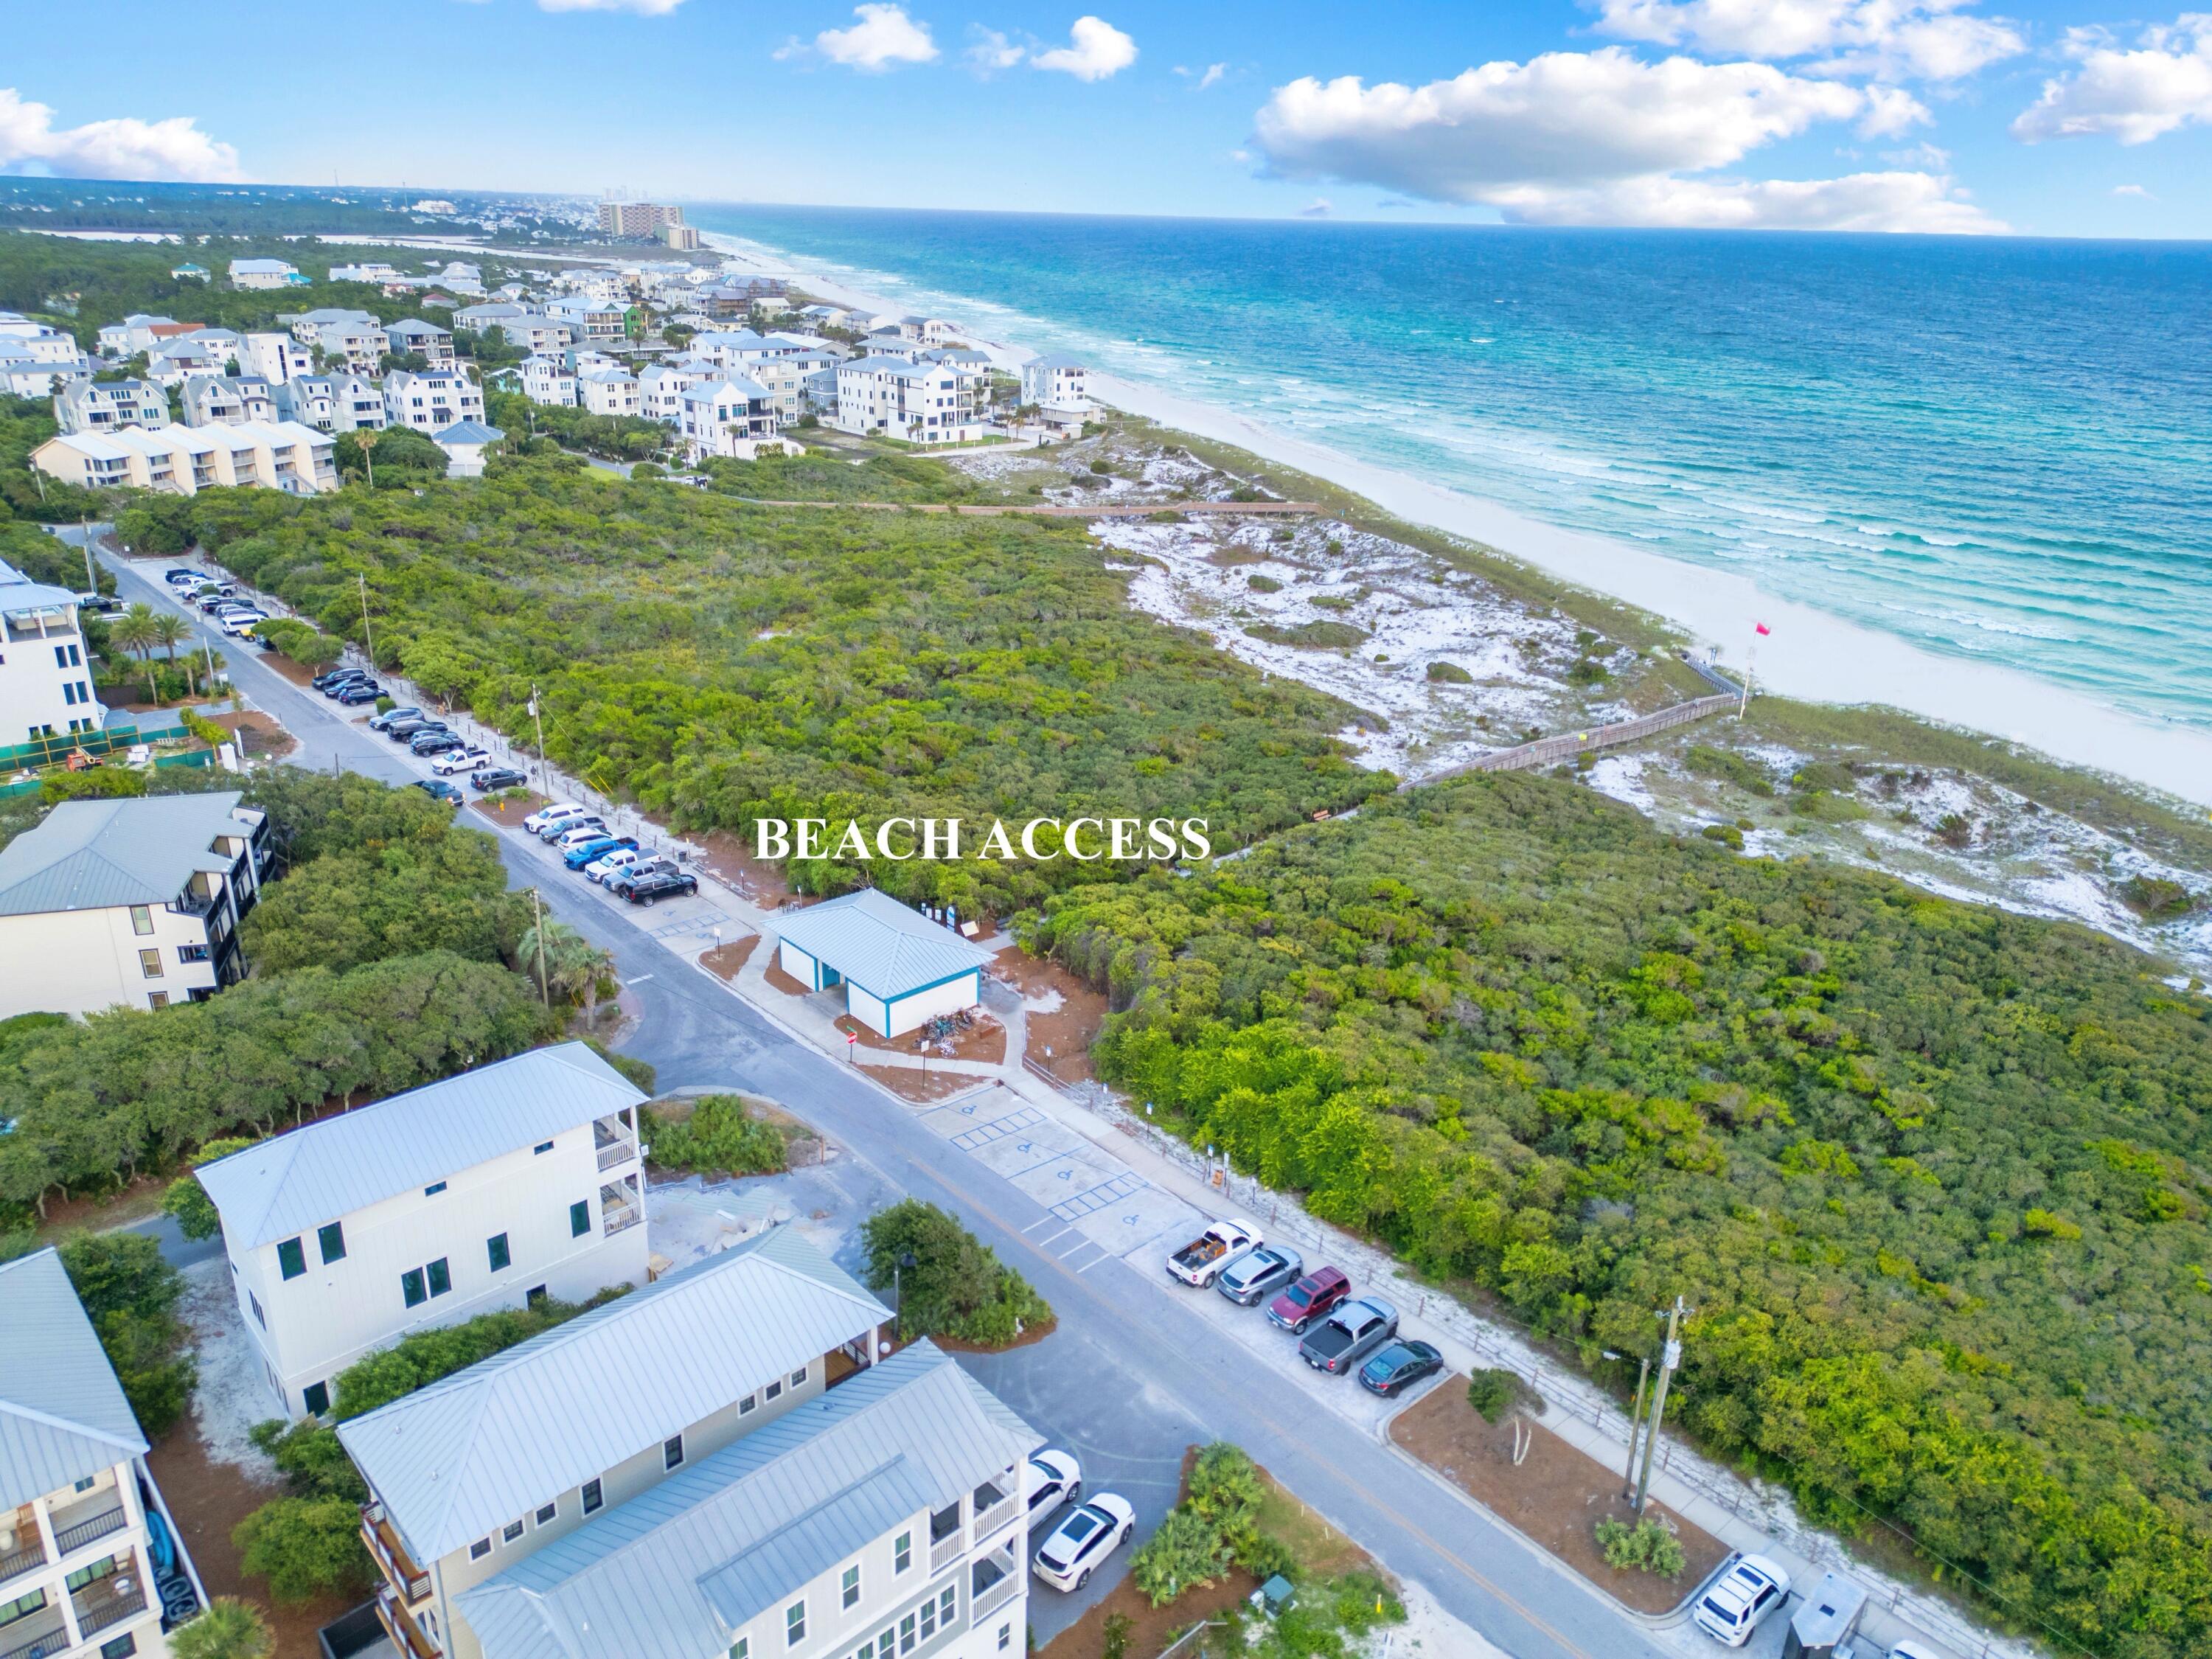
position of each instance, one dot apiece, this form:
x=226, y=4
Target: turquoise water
x=2000, y=449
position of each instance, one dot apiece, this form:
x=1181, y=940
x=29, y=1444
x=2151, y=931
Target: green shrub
x=1494, y=1393
x=720, y=1138
x=957, y=1287
x=1728, y=835
x=1448, y=673
x=186, y=1202
x=1316, y=635
x=1729, y=767
x=1260, y=582
x=1586, y=671
x=1650, y=1547
x=2155, y=899
x=94, y=783
x=130, y=1295
x=305, y=1547
x=227, y=1629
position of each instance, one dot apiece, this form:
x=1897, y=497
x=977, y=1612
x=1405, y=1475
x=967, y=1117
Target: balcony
x=21, y=1547
x=999, y=1514
x=409, y=1583
x=992, y=1582
x=407, y=1635
x=615, y=1152
x=36, y=1637
x=107, y=1601
x=75, y=1528
x=946, y=1540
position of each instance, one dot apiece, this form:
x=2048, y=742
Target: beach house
x=46, y=665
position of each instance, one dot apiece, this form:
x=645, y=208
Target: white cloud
x=1320, y=208
x=2133, y=190
x=1861, y=201
x=992, y=52
x=885, y=35
x=1891, y=113
x=1213, y=76
x=2133, y=95
x=641, y=8
x=1096, y=49
x=1899, y=39
x=1601, y=138
x=123, y=148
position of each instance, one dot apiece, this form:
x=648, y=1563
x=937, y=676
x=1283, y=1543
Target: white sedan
x=1055, y=1477
x=459, y=760
x=1067, y=1558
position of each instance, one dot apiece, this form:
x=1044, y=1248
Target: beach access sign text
x=1039, y=841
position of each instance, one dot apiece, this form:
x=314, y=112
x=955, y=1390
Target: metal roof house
x=575, y=1428
x=487, y=1190
x=78, y=1510
x=898, y=968
x=133, y=903
x=886, y=1516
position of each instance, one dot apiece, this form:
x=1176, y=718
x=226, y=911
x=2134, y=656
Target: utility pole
x=1670, y=1357
x=537, y=911
x=543, y=777
x=369, y=639
x=1635, y=1424
x=91, y=576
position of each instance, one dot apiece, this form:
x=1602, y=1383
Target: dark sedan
x=1398, y=1367
x=438, y=789
x=359, y=692
x=432, y=742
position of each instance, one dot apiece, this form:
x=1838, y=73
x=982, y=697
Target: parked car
x=1055, y=1477
x=607, y=863
x=463, y=759
x=1744, y=1597
x=177, y=572
x=240, y=627
x=392, y=717
x=211, y=600
x=1398, y=1367
x=359, y=692
x=498, y=777
x=1315, y=1297
x=1349, y=1336
x=1201, y=1262
x=585, y=854
x=438, y=788
x=414, y=726
x=1067, y=1558
x=552, y=813
x=577, y=831
x=433, y=742
x=621, y=880
x=1257, y=1275
x=330, y=676
x=651, y=890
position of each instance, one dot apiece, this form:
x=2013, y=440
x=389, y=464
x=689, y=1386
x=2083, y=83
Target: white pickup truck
x=1201, y=1262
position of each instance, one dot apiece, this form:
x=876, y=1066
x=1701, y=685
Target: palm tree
x=170, y=631
x=136, y=631
x=574, y=966
x=229, y=1629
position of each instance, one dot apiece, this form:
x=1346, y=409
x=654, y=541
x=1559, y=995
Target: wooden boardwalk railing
x=1566, y=745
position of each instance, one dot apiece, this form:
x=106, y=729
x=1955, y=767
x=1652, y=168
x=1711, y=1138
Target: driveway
x=1134, y=1372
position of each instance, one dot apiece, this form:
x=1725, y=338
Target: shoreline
x=1810, y=655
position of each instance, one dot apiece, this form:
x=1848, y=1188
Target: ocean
x=2000, y=449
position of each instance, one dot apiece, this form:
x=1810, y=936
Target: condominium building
x=549, y=379
x=589, y=319
x=130, y=903
x=45, y=666
x=110, y=405
x=886, y=1517
x=432, y=402
x=332, y=403
x=923, y=403
x=516, y=1181
x=637, y=218
x=91, y=1562
x=184, y=460
x=351, y=339
x=558, y=1439
x=275, y=357
x=434, y=345
x=608, y=392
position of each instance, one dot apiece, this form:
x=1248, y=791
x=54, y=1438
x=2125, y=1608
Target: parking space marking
x=983, y=1134
x=1098, y=1197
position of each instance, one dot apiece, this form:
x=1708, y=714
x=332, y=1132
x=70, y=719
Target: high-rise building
x=639, y=219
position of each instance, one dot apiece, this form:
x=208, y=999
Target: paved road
x=1133, y=1373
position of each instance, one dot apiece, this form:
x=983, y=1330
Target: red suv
x=1315, y=1297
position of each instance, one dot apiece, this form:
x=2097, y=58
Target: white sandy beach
x=1809, y=653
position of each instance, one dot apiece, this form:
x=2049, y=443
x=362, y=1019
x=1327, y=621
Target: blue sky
x=2057, y=117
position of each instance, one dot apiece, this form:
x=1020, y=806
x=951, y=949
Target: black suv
x=668, y=883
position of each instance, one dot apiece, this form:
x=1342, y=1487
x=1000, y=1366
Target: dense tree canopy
x=1935, y=1177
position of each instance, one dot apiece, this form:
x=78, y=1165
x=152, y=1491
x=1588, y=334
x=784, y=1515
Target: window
x=86, y=1484
x=433, y=1189
x=11, y=1611
x=794, y=1624
x=480, y=1549
x=672, y=1451
x=886, y=1643
x=903, y=1551
x=946, y=1604
x=141, y=920
x=316, y=1396
x=593, y=1496
x=1005, y=1637
x=775, y=1391
x=411, y=1288
x=750, y=1402
x=332, y=1241
x=291, y=1259
x=543, y=1146
x=259, y=1318
x=121, y=1648
x=97, y=1571
x=798, y=1377
x=510, y=1532
x=440, y=1280
x=157, y=999
x=191, y=953
x=848, y=1589
x=149, y=964
x=546, y=1514
x=580, y=1218
x=742, y=1648
x=906, y=1634
x=496, y=1248
x=534, y=1295
x=928, y=1620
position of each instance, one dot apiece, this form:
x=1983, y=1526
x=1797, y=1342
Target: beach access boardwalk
x=1563, y=745
x=1129, y=510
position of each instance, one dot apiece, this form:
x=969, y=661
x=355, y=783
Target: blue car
x=577, y=857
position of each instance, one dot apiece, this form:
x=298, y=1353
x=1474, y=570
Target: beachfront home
x=1058, y=383
x=137, y=333
x=130, y=903
x=109, y=406
x=434, y=345
x=91, y=1561
x=482, y=1472
x=368, y=270
x=45, y=666
x=265, y=273
x=589, y=318
x=190, y=273
x=924, y=403
x=886, y=1517
x=517, y=1181
x=899, y=969
x=727, y=414
x=175, y=362
x=184, y=460
x=35, y=358
x=432, y=401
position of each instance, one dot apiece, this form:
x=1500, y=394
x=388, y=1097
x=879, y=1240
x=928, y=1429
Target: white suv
x=1745, y=1596
x=546, y=816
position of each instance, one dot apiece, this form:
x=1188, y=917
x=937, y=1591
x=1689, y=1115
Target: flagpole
x=1750, y=667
